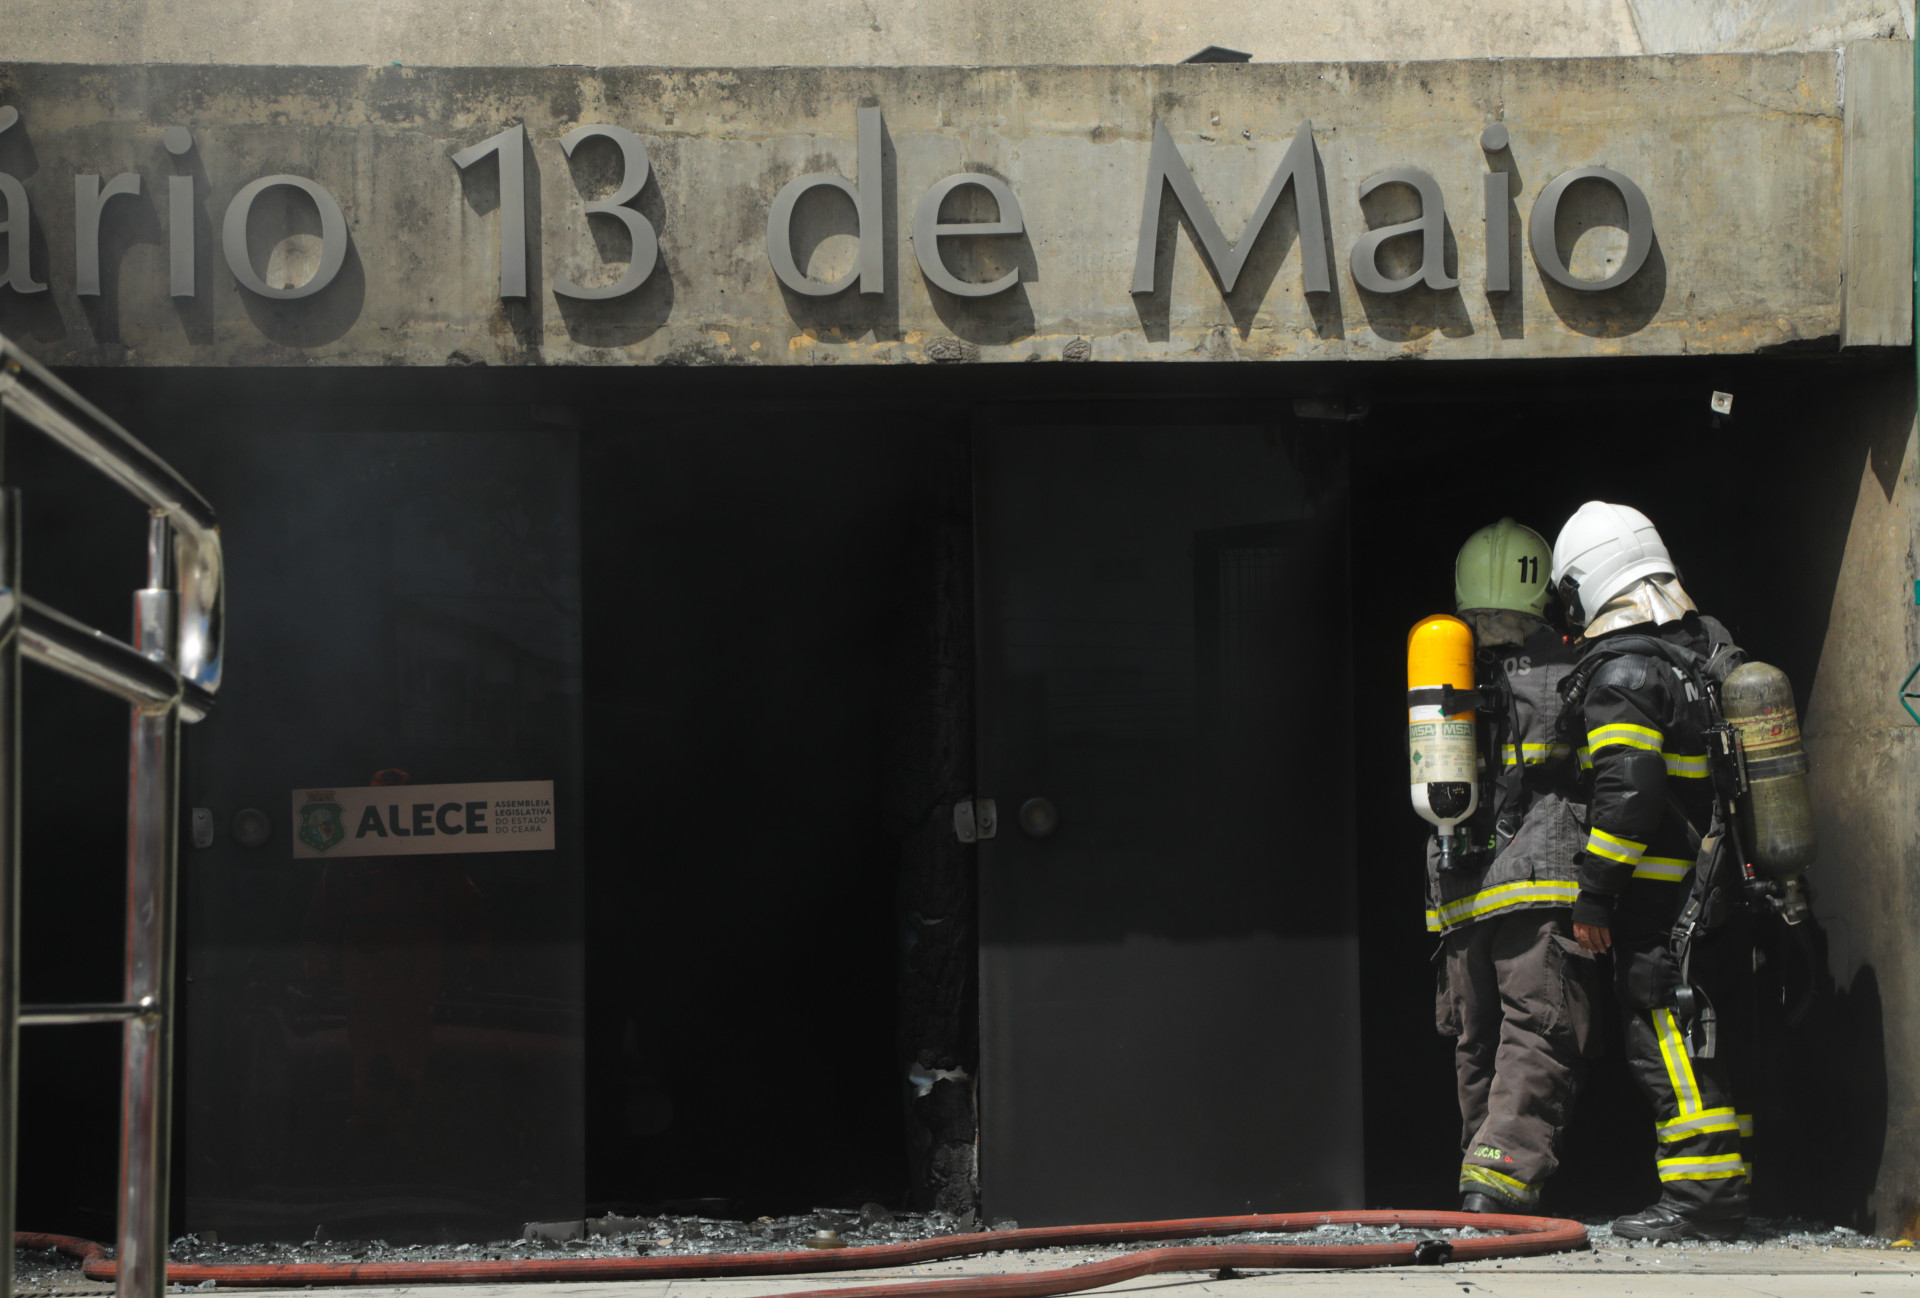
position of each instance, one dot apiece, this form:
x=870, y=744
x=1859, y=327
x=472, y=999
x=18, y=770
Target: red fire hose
x=1524, y=1236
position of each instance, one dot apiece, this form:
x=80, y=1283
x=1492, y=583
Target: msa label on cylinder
x=1440, y=752
x=424, y=819
x=1767, y=729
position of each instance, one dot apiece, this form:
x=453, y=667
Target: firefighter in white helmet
x=1516, y=990
x=1640, y=701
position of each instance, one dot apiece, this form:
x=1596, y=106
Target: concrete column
x=1865, y=753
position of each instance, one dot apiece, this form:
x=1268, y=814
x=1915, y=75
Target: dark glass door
x=385, y=1045
x=1169, y=988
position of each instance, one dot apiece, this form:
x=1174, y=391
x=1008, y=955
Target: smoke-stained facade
x=776, y=461
x=1296, y=212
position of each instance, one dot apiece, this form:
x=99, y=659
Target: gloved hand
x=1593, y=920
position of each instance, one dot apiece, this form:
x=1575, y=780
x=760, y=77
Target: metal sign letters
x=1166, y=171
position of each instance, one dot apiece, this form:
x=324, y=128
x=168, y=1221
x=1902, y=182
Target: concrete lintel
x=1738, y=158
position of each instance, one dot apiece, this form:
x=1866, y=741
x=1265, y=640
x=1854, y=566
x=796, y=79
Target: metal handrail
x=40, y=1016
x=169, y=673
x=29, y=390
x=94, y=436
x=72, y=648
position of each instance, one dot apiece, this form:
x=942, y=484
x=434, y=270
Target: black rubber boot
x=1666, y=1224
x=1473, y=1201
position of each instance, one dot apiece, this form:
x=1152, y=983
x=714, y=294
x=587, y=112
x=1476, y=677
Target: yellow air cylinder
x=1776, y=815
x=1442, y=758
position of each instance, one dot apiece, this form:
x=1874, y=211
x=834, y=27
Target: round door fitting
x=251, y=827
x=1039, y=817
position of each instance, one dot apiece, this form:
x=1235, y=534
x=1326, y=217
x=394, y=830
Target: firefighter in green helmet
x=1516, y=991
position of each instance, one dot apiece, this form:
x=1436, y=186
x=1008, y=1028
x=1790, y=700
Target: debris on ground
x=48, y=1273
x=1761, y=1233
x=555, y=1232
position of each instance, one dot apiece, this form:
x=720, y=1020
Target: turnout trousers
x=1697, y=1126
x=1518, y=993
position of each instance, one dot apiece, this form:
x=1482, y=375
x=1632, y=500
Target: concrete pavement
x=1612, y=1269
x=1830, y=1265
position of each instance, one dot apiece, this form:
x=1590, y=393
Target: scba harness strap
x=1507, y=806
x=1512, y=794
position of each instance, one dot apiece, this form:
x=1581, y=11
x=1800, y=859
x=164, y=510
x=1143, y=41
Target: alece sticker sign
x=424, y=819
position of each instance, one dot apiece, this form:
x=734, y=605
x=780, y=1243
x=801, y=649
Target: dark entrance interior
x=777, y=592
x=764, y=587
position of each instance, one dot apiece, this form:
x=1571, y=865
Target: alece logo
x=320, y=826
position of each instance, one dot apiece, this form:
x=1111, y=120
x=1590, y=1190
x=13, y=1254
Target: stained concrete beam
x=826, y=33
x=1739, y=157
x=918, y=33
x=1714, y=26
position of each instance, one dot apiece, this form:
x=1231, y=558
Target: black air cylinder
x=1776, y=815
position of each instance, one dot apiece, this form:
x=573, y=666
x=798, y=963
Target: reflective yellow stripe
x=1534, y=754
x=1685, y=1128
x=1713, y=1167
x=1559, y=892
x=1701, y=1160
x=1621, y=733
x=1746, y=1124
x=1596, y=741
x=1613, y=847
x=1686, y=767
x=1673, y=1052
x=1512, y=1187
x=1666, y=869
x=1586, y=759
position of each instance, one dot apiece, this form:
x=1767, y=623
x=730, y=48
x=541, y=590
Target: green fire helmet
x=1504, y=566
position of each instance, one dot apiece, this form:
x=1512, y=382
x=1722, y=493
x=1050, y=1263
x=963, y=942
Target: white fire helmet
x=1603, y=550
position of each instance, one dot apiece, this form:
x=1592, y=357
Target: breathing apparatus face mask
x=1493, y=627
x=1568, y=591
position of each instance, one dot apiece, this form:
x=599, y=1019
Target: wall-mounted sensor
x=251, y=827
x=1722, y=403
